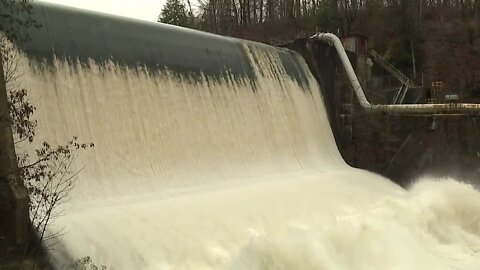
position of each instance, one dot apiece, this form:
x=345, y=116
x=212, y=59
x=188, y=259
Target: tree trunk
x=235, y=12
x=254, y=6
x=249, y=14
x=14, y=217
x=261, y=11
x=476, y=12
x=190, y=13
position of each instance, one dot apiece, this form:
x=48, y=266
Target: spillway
x=216, y=153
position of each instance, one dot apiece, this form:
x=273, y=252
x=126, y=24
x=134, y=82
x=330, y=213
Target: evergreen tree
x=174, y=12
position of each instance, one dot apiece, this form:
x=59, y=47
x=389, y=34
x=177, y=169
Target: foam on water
x=434, y=226
x=221, y=173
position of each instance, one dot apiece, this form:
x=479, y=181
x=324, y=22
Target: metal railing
x=401, y=93
x=406, y=82
x=390, y=68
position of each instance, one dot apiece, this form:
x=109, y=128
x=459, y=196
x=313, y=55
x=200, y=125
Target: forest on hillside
x=427, y=39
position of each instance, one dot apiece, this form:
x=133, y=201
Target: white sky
x=140, y=9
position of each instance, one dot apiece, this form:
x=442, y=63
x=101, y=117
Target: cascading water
x=226, y=172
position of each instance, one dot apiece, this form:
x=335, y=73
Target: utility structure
x=437, y=88
x=397, y=140
x=404, y=80
x=441, y=108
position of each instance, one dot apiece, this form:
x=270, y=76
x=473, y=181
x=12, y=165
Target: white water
x=212, y=175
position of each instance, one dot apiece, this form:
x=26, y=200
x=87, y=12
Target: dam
x=217, y=153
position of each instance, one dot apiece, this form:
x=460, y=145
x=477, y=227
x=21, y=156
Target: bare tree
x=48, y=174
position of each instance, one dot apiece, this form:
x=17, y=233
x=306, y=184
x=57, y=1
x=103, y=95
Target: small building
x=356, y=43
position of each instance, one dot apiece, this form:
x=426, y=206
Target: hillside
x=428, y=40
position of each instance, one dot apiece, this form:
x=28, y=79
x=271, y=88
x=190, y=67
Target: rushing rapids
x=232, y=168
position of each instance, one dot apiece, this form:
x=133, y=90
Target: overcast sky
x=140, y=9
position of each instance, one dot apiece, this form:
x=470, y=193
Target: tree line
x=229, y=16
x=431, y=39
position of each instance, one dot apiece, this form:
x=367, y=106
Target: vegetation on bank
x=427, y=39
x=46, y=172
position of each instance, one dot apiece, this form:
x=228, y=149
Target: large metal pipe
x=445, y=108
